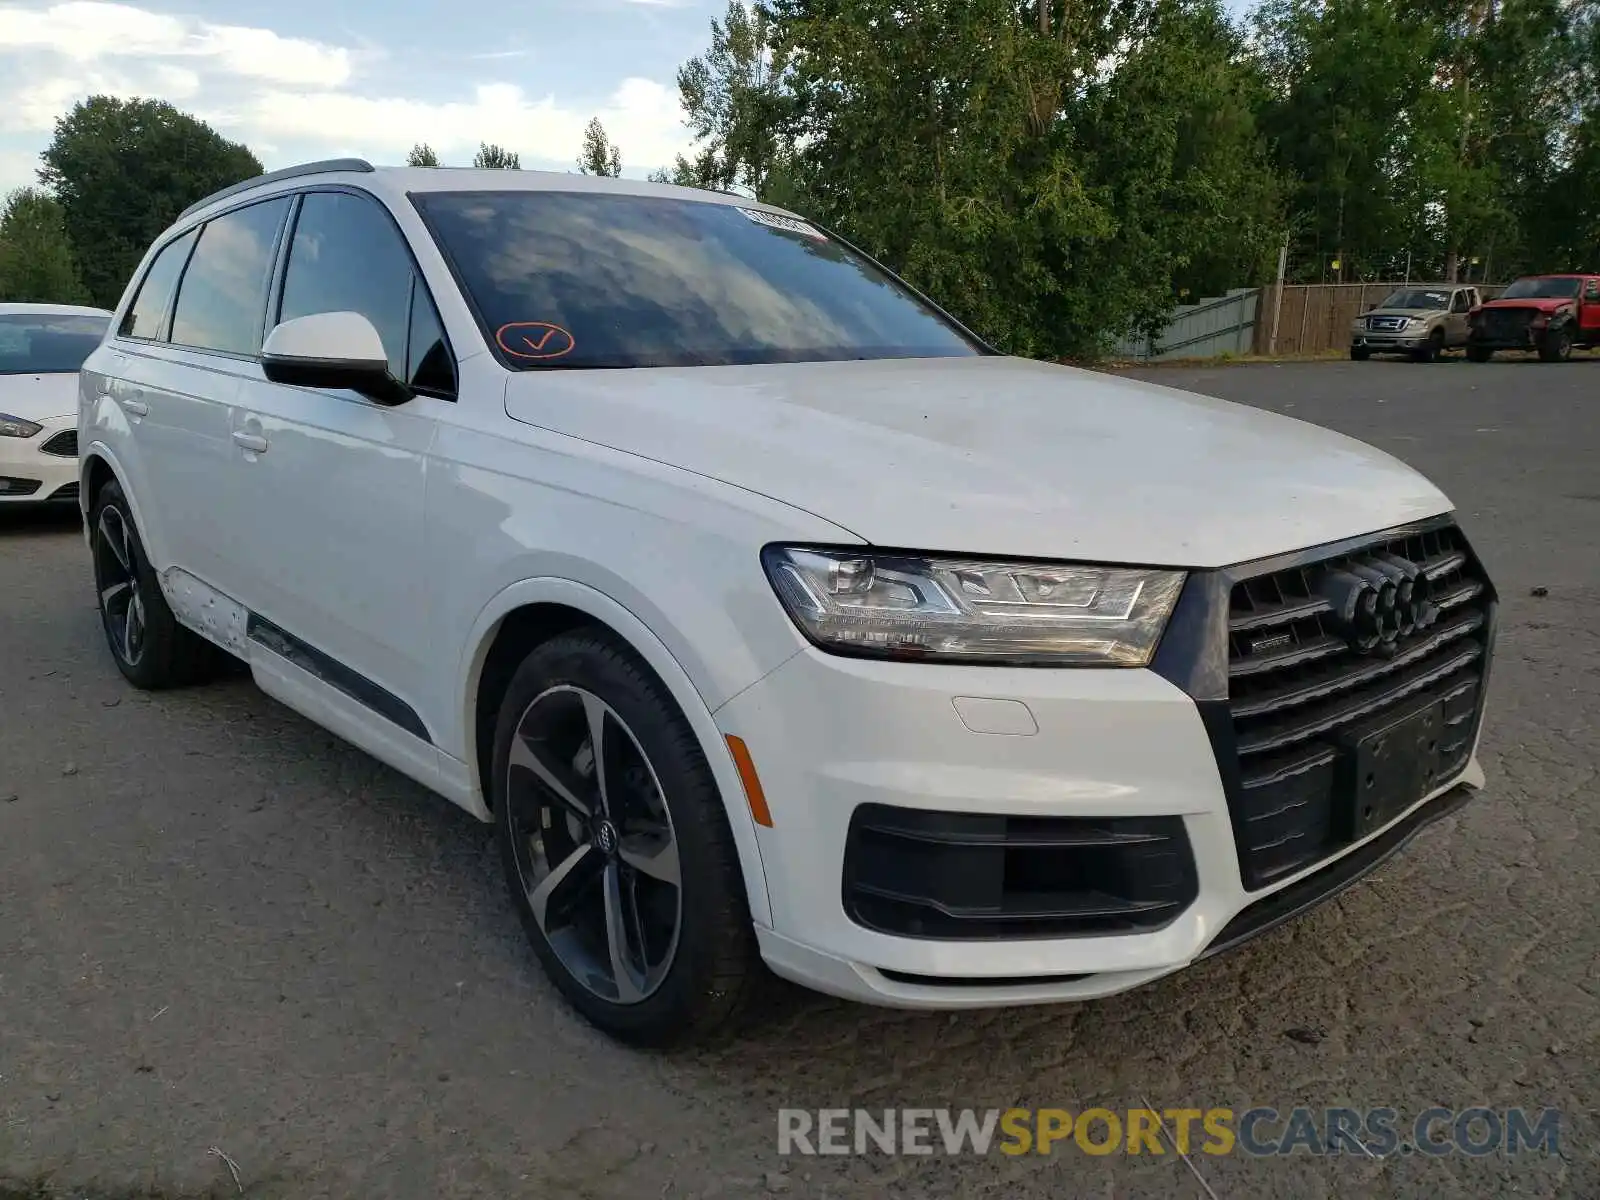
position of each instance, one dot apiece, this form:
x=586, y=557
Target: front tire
x=616, y=847
x=1430, y=350
x=1479, y=354
x=151, y=649
x=1556, y=345
x=1359, y=354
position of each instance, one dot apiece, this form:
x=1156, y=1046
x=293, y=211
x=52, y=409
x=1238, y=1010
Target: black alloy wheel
x=594, y=845
x=150, y=647
x=616, y=846
x=122, y=607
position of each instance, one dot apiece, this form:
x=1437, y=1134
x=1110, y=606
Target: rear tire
x=151, y=649
x=1556, y=345
x=1359, y=354
x=621, y=866
x=1479, y=354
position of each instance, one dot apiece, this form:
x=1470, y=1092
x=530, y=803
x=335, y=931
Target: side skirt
x=322, y=689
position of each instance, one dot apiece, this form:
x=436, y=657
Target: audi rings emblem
x=1378, y=601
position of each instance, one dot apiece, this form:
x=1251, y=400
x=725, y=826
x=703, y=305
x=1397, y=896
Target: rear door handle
x=253, y=442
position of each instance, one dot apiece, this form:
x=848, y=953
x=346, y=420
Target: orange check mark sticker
x=535, y=340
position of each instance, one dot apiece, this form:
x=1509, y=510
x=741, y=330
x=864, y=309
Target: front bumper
x=1378, y=343
x=1527, y=341
x=31, y=475
x=829, y=735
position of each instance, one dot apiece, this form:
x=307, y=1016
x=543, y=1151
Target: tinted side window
x=1462, y=302
x=347, y=257
x=147, y=315
x=1592, y=291
x=223, y=296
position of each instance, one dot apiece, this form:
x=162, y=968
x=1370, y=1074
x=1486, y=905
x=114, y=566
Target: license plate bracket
x=1389, y=764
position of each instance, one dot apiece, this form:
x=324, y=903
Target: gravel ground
x=223, y=932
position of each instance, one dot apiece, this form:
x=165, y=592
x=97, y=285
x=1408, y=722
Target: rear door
x=214, y=346
x=328, y=487
x=173, y=373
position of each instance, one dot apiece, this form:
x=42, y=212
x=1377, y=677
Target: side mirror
x=332, y=350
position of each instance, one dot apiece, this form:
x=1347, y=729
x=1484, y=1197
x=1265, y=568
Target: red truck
x=1547, y=313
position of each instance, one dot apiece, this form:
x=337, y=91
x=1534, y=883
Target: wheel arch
x=98, y=466
x=534, y=610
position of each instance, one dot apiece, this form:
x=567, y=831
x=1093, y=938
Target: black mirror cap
x=371, y=380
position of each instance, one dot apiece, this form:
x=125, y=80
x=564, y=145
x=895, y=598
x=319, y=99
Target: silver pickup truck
x=1418, y=320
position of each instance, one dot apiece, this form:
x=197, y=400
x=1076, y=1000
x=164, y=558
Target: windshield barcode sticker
x=787, y=224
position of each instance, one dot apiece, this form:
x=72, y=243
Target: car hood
x=1542, y=303
x=995, y=456
x=1419, y=313
x=36, y=397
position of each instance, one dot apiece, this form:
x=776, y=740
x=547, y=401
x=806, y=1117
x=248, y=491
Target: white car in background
x=769, y=613
x=41, y=348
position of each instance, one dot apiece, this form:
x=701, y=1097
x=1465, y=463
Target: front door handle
x=137, y=408
x=253, y=442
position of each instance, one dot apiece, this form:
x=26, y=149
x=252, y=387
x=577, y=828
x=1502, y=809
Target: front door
x=1589, y=313
x=331, y=486
x=1455, y=325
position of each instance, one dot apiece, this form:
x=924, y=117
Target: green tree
x=36, y=259
x=703, y=171
x=1540, y=85
x=1047, y=175
x=496, y=158
x=736, y=101
x=122, y=171
x=599, y=156
x=422, y=155
x=1347, y=81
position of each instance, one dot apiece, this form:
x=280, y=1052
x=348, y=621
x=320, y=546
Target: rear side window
x=1592, y=291
x=146, y=316
x=222, y=299
x=347, y=257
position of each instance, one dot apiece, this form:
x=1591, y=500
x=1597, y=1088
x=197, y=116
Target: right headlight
x=950, y=609
x=16, y=427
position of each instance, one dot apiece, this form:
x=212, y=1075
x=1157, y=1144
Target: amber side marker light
x=754, y=796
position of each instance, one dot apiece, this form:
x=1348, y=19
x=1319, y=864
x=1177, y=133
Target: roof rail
x=311, y=168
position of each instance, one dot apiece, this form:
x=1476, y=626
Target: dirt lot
x=224, y=932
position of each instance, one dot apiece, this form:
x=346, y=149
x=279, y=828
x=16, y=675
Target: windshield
x=48, y=343
x=1417, y=299
x=571, y=280
x=1542, y=289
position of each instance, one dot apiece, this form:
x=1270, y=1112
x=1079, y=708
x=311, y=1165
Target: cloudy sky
x=305, y=79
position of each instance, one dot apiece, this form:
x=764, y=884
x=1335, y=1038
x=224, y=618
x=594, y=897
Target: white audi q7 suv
x=767, y=612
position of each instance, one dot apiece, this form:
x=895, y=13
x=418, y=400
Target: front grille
x=64, y=444
x=1321, y=670
x=971, y=876
x=1389, y=324
x=67, y=491
x=1504, y=324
